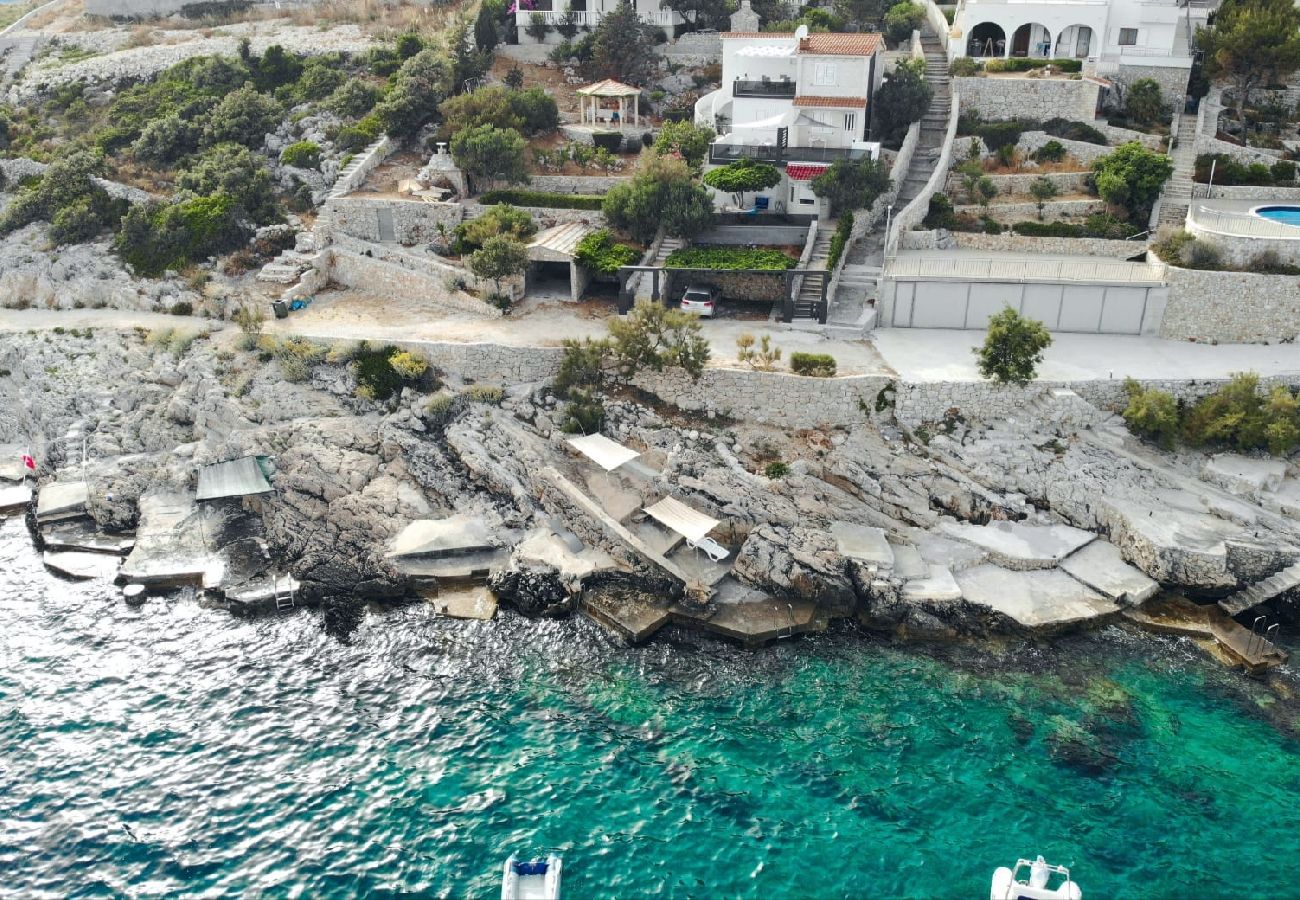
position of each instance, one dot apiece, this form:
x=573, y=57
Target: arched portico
x=1074, y=42
x=1031, y=39
x=987, y=39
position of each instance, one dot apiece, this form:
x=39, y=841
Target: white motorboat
x=531, y=879
x=1012, y=884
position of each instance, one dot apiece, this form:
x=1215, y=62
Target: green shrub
x=1283, y=171
x=902, y=19
x=1074, y=131
x=301, y=155
x=583, y=414
x=543, y=199
x=940, y=213
x=728, y=258
x=353, y=98
x=1050, y=152
x=775, y=470
x=965, y=67
x=1049, y=229
x=408, y=365
x=374, y=373
x=816, y=365
x=611, y=141
x=1026, y=64
x=182, y=308
x=485, y=393
x=839, y=240
x=440, y=408
x=500, y=218
x=599, y=253
x=1013, y=348
x=1151, y=413
x=296, y=357
x=352, y=138
x=156, y=237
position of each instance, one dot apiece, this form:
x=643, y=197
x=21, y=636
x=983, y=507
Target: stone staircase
x=1177, y=195
x=860, y=277
x=288, y=267
x=644, y=281
x=808, y=300
x=1274, y=585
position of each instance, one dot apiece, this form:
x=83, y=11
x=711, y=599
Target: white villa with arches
x=1121, y=39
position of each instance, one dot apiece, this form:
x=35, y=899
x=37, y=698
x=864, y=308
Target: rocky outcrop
x=797, y=563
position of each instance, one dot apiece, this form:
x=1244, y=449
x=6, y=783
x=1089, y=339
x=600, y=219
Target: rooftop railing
x=767, y=87
x=1241, y=224
x=725, y=153
x=1028, y=269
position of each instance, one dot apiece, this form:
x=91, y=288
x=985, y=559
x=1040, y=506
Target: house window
x=1128, y=37
x=824, y=74
x=850, y=121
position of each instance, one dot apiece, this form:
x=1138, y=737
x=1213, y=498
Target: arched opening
x=1075, y=42
x=1031, y=39
x=987, y=39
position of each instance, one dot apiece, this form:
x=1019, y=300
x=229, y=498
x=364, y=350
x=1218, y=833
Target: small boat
x=1009, y=884
x=532, y=879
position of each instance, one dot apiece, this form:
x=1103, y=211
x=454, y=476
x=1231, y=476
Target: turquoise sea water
x=179, y=751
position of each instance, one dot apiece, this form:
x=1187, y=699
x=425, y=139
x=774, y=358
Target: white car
x=701, y=299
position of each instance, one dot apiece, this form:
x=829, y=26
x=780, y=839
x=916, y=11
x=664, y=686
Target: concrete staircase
x=643, y=282
x=1274, y=585
x=1177, y=195
x=860, y=277
x=810, y=291
x=288, y=267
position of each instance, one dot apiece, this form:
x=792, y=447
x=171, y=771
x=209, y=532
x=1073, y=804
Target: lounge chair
x=715, y=551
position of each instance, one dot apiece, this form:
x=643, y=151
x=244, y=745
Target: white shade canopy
x=689, y=523
x=607, y=454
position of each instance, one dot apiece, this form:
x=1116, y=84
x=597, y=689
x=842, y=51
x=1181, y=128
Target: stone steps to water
x=1261, y=591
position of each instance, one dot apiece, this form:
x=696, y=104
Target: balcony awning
x=803, y=172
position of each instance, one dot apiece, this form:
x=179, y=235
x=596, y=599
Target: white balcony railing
x=1026, y=269
x=1241, y=224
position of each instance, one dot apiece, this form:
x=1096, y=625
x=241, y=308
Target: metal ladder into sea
x=285, y=595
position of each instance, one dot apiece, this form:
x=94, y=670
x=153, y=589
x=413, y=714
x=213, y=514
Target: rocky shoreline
x=966, y=530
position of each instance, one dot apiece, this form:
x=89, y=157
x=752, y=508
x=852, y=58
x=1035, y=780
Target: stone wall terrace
x=1031, y=98
x=1231, y=307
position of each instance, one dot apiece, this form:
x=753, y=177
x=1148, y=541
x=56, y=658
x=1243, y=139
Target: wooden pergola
x=611, y=90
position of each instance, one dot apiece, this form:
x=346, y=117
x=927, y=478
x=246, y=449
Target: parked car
x=701, y=299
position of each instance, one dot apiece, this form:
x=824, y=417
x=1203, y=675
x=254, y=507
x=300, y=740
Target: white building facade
x=1121, y=39
x=798, y=101
x=587, y=14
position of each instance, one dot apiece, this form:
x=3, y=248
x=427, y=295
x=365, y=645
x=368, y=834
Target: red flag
x=29, y=462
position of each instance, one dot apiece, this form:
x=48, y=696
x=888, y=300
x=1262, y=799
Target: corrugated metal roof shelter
x=557, y=244
x=689, y=523
x=235, y=478
x=607, y=454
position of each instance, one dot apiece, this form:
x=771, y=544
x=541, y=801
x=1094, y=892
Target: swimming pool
x=1286, y=215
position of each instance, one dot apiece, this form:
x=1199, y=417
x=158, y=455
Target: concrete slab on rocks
x=83, y=536
x=82, y=565
x=939, y=584
x=61, y=500
x=433, y=538
x=546, y=547
x=1101, y=567
x=462, y=603
x=1035, y=599
x=1284, y=499
x=14, y=500
x=908, y=562
x=171, y=544
x=1021, y=546
x=1244, y=476
x=464, y=567
x=955, y=555
x=863, y=543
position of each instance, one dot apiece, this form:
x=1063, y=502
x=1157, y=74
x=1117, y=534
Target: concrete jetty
x=1216, y=631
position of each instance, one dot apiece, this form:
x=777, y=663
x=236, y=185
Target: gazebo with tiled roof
x=609, y=90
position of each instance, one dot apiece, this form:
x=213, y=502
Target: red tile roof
x=797, y=172
x=842, y=44
x=832, y=102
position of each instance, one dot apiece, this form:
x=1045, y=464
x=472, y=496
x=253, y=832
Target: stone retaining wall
x=544, y=216
x=414, y=221
x=1231, y=307
x=1016, y=243
x=1172, y=80
x=576, y=184
x=1248, y=192
x=693, y=49
x=1117, y=135
x=1031, y=98
x=1081, y=151
x=756, y=286
x=1019, y=212
x=356, y=270
x=1066, y=183
x=1208, y=144
x=1244, y=252
x=773, y=398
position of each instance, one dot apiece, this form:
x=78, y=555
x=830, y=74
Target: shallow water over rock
x=176, y=749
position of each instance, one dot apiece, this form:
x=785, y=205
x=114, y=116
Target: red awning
x=797, y=172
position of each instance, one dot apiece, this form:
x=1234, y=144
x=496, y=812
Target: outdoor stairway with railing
x=1177, y=195
x=811, y=288
x=1274, y=585
x=859, y=279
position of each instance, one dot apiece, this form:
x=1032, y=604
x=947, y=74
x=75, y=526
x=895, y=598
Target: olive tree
x=491, y=155
x=1013, y=348
x=500, y=257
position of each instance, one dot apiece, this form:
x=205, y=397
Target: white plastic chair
x=712, y=548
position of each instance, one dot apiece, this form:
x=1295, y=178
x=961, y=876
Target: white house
x=799, y=101
x=588, y=13
x=1124, y=38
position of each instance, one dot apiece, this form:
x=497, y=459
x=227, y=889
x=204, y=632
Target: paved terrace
x=984, y=265
x=913, y=354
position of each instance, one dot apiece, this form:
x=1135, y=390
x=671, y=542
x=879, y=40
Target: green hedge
x=1024, y=64
x=817, y=365
x=543, y=199
x=728, y=258
x=1228, y=171
x=839, y=240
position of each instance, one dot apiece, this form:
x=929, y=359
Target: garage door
x=1082, y=308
